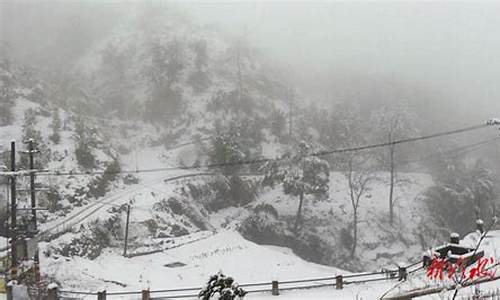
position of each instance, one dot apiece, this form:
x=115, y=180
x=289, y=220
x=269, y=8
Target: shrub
x=152, y=226
x=87, y=245
x=175, y=206
x=130, y=179
x=178, y=230
x=53, y=200
x=110, y=174
x=266, y=208
x=223, y=287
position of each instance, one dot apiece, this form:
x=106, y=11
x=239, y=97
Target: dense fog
x=443, y=56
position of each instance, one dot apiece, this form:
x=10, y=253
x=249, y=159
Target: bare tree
x=359, y=178
x=396, y=122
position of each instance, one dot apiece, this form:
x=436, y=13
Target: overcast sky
x=450, y=49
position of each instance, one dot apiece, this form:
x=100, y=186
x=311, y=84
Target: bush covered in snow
x=89, y=244
x=101, y=184
x=263, y=226
x=461, y=195
x=221, y=287
x=224, y=191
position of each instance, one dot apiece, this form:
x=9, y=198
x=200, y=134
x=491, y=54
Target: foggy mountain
x=278, y=140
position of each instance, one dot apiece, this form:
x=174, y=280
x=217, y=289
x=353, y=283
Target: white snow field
x=224, y=251
x=247, y=262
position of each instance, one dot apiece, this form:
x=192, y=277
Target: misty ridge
x=354, y=134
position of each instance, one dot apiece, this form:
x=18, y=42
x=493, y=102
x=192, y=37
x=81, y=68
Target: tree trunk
x=391, y=191
x=299, y=210
x=354, y=209
x=355, y=232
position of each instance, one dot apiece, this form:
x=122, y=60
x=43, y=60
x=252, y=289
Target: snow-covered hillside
x=222, y=236
x=327, y=221
x=224, y=251
x=168, y=70
x=189, y=265
x=161, y=137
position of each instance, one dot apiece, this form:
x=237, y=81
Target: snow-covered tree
x=162, y=74
x=55, y=137
x=30, y=131
x=461, y=194
x=199, y=79
x=278, y=123
x=6, y=92
x=85, y=139
x=113, y=83
x=221, y=287
x=226, y=152
x=300, y=174
x=343, y=128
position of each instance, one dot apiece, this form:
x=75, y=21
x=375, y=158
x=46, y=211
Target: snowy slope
x=380, y=245
x=66, y=269
x=226, y=251
x=247, y=262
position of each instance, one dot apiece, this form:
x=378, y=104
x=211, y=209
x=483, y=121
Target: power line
x=402, y=141
x=458, y=150
x=265, y=160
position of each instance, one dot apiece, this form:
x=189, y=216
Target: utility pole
x=290, y=113
x=391, y=191
x=126, y=231
x=13, y=207
x=30, y=152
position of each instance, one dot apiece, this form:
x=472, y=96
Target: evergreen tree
x=6, y=93
x=227, y=153
x=221, y=287
x=200, y=79
x=55, y=137
x=29, y=132
x=114, y=86
x=165, y=97
x=461, y=194
x=300, y=174
x=84, y=141
x=278, y=123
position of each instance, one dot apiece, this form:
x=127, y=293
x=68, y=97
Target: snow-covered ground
x=224, y=251
x=228, y=252
x=380, y=245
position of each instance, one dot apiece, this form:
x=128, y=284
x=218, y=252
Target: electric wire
x=264, y=160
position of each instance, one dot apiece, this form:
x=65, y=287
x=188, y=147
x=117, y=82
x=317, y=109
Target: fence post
x=101, y=295
x=9, y=289
x=454, y=238
x=275, y=289
x=339, y=282
x=52, y=292
x=402, y=273
x=145, y=294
